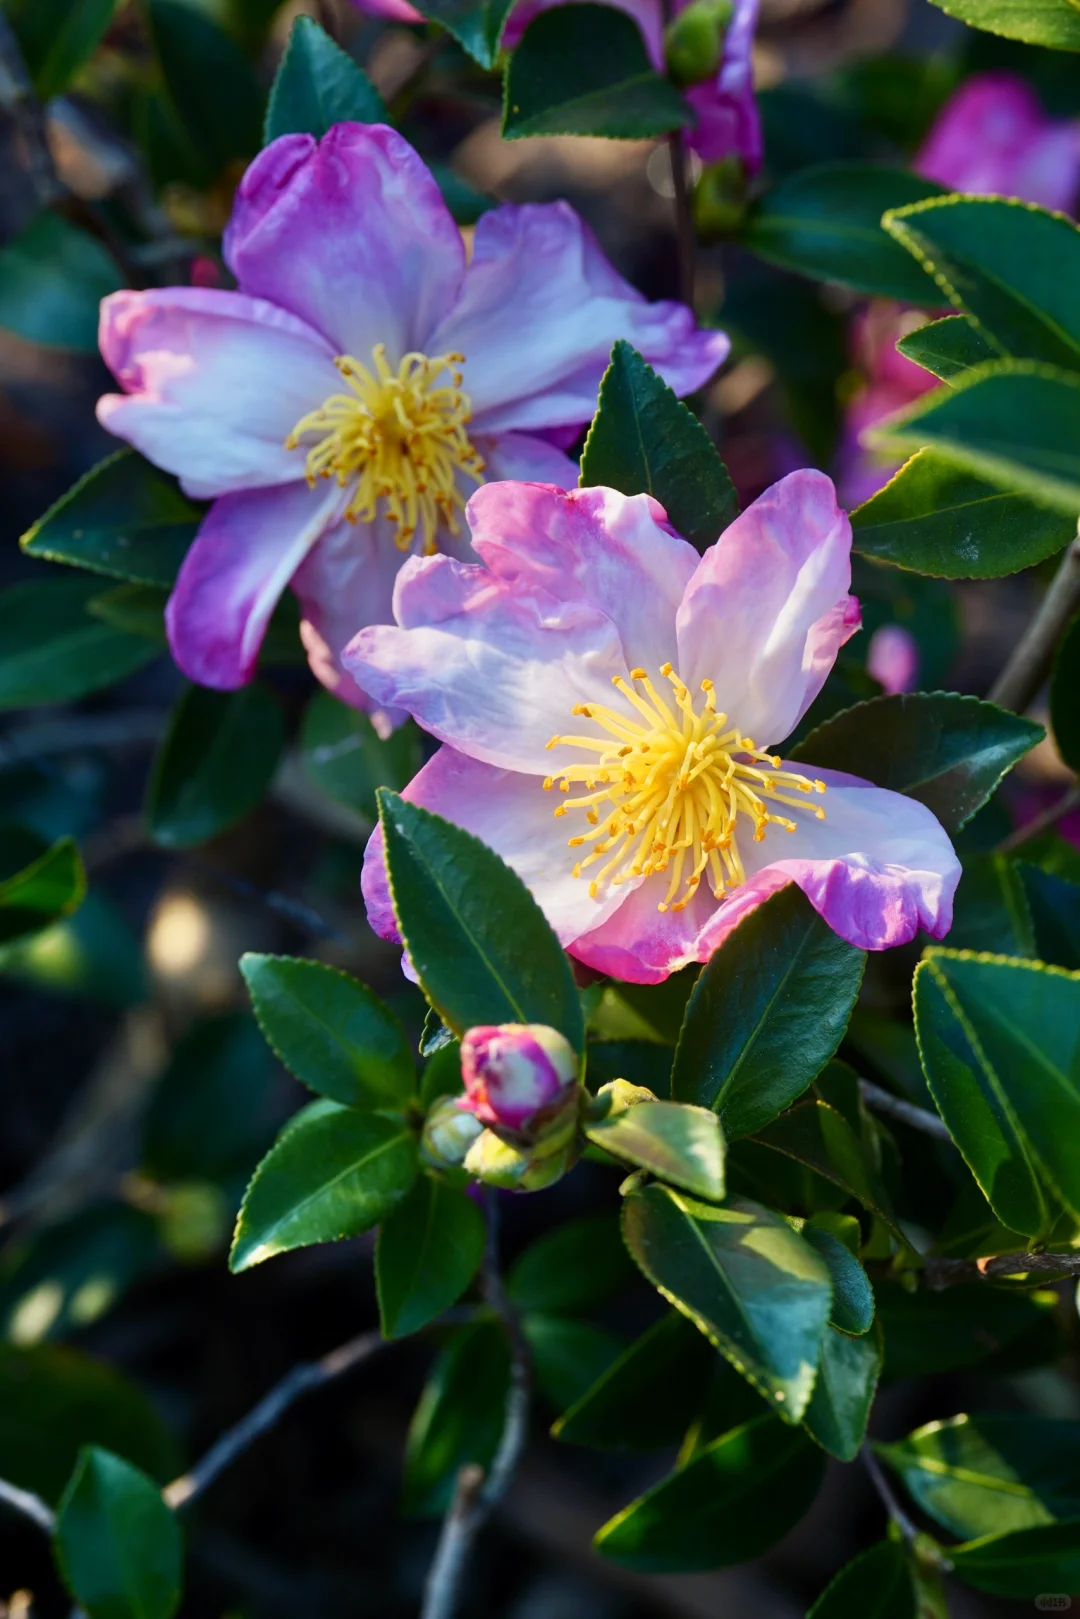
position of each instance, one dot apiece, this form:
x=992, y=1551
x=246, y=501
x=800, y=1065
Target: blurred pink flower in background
x=892, y=658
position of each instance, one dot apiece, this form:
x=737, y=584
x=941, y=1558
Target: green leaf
x=819, y=1136
x=94, y=955
x=1024, y=1564
x=947, y=751
x=990, y=911
x=124, y=518
x=117, y=1544
x=459, y=1418
x=948, y=346
x=677, y=1143
x=568, y=1356
x=332, y=1173
x=747, y=1280
x=767, y=1013
x=53, y=277
x=331, y=1031
x=574, y=1267
x=825, y=222
x=1038, y=22
x=60, y=1278
x=429, y=1249
x=477, y=25
x=213, y=1111
x=214, y=765
x=135, y=609
x=1054, y=905
x=877, y=1585
x=56, y=37
x=853, y=1297
x=644, y=440
x=53, y=651
x=1065, y=697
x=989, y=1474
x=584, y=70
x=844, y=1392
x=1013, y=422
x=344, y=755
x=1000, y=1045
x=317, y=85
x=479, y=942
x=646, y=1398
x=737, y=1498
x=37, y=884
x=972, y=1325
x=210, y=88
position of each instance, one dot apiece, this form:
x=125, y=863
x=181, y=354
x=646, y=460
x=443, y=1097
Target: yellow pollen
x=665, y=785
x=395, y=439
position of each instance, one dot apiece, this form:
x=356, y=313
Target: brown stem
x=941, y=1273
x=1069, y=800
x=1029, y=665
x=892, y=1506
x=919, y=1118
x=31, y=1506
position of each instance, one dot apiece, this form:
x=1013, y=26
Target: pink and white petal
x=246, y=551
x=648, y=14
x=611, y=551
x=350, y=233
x=394, y=10
x=539, y=311
x=214, y=381
x=493, y=669
x=512, y=814
x=519, y=456
x=768, y=608
x=728, y=122
x=640, y=944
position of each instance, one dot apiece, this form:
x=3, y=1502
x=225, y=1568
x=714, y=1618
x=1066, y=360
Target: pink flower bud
x=515, y=1071
x=893, y=658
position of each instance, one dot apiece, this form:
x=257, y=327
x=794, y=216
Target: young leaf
x=1038, y=22
x=644, y=440
x=428, y=1251
x=53, y=651
x=344, y=755
x=56, y=38
x=747, y=1280
x=766, y=1014
x=117, y=1544
x=330, y=1031
x=332, y=1173
x=1054, y=905
x=677, y=1143
x=853, y=1297
x=646, y=1399
x=479, y=942
x=477, y=25
x=1064, y=701
x=37, y=884
x=1024, y=1564
x=568, y=1356
x=215, y=763
x=584, y=70
x=318, y=85
x=576, y=1266
x=947, y=751
x=844, y=1392
x=948, y=346
x=459, y=1418
x=877, y=1585
x=737, y=1498
x=53, y=277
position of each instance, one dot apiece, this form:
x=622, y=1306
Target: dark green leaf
x=747, y=1280
x=1025, y=1564
x=677, y=1143
x=927, y=1333
x=37, y=884
x=1039, y=22
x=61, y=1277
x=57, y=36
x=117, y=1544
x=877, y=1585
x=331, y=1174
x=1055, y=914
x=819, y=1136
x=479, y=942
x=1065, y=697
x=442, y=1073
x=216, y=762
x=210, y=86
x=947, y=751
x=990, y=911
x=646, y=1398
x=213, y=1112
x=641, y=1062
x=459, y=1418
x=947, y=346
x=584, y=70
x=844, y=1392
x=53, y=277
x=644, y=440
x=318, y=85
x=135, y=609
x=853, y=1297
x=428, y=1252
x=477, y=25
x=568, y=1356
x=575, y=1267
x=53, y=651
x=737, y=1498
x=825, y=222
x=94, y=955
x=331, y=1031
x=767, y=1013
x=345, y=756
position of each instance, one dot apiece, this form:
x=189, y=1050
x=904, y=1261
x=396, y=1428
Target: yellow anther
x=554, y=743
x=637, y=674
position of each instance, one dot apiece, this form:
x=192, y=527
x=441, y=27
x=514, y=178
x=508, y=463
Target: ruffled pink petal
x=992, y=136
x=351, y=234
x=612, y=551
x=538, y=314
x=244, y=555
x=214, y=382
x=728, y=124
x=648, y=14
x=768, y=608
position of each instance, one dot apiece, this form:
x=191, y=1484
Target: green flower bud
x=720, y=199
x=449, y=1132
x=694, y=40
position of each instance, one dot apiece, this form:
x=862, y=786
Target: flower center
x=398, y=437
x=667, y=790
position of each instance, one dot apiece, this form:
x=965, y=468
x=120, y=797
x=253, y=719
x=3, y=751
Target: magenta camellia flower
x=340, y=405
x=609, y=703
x=514, y=1072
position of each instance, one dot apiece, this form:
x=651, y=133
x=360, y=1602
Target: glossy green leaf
x=574, y=1267
x=971, y=1325
x=479, y=942
x=210, y=88
x=331, y=1031
x=584, y=70
x=332, y=1173
x=1024, y=1565
x=877, y=1585
x=477, y=25
x=853, y=1297
x=429, y=1249
x=37, y=884
x=646, y=1399
x=117, y=1544
x=947, y=347
x=1054, y=905
x=817, y=1135
x=57, y=36
x=947, y=751
x=825, y=222
x=1038, y=22
x=737, y=1498
x=1065, y=697
x=344, y=755
x=675, y=1142
x=767, y=1013
x=1000, y=1046
x=844, y=1392
x=644, y=440
x=213, y=1112
x=53, y=277
x=749, y=1282
x=317, y=85
x=568, y=1356
x=990, y=911
x=459, y=1418
x=53, y=651
x=214, y=765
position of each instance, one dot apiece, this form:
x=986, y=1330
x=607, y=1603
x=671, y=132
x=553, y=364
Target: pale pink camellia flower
x=514, y=1072
x=363, y=379
x=608, y=702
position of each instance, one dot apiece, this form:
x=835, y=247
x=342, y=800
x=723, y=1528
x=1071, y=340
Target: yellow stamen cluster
x=666, y=790
x=398, y=437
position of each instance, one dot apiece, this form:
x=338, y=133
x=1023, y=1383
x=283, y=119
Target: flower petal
x=768, y=608
x=538, y=313
x=993, y=136
x=214, y=381
x=350, y=233
x=522, y=455
x=244, y=555
x=728, y=123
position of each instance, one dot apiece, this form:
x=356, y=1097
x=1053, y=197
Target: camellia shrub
x=617, y=655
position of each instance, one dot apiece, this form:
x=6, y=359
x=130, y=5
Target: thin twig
x=907, y=1528
x=919, y=1118
x=455, y=1538
x=941, y=1273
x=684, y=219
x=31, y=1506
x=1029, y=665
x=1069, y=800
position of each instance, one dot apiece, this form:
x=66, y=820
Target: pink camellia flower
x=608, y=703
x=339, y=406
x=514, y=1072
